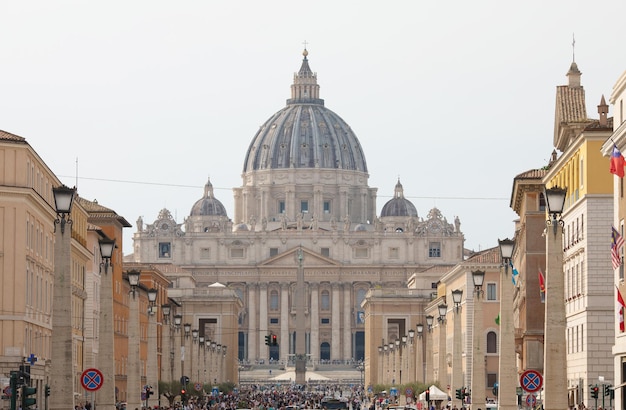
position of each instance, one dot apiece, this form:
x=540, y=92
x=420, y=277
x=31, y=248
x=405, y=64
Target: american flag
x=616, y=246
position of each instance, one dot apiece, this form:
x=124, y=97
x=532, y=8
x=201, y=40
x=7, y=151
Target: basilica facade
x=304, y=199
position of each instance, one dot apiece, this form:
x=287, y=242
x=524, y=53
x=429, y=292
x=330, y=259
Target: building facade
x=304, y=184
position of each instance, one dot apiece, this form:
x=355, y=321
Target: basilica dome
x=398, y=205
x=305, y=134
x=208, y=205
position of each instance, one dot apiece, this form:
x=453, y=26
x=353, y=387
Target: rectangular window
x=325, y=321
x=326, y=207
x=273, y=252
x=205, y=253
x=325, y=252
x=281, y=207
x=434, y=250
x=236, y=253
x=491, y=291
x=394, y=253
x=274, y=321
x=304, y=207
x=492, y=378
x=361, y=253
x=165, y=250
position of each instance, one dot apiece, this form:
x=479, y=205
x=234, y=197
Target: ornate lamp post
x=380, y=364
x=152, y=376
x=507, y=368
x=178, y=347
x=133, y=380
x=555, y=365
x=443, y=367
x=194, y=352
x=412, y=366
x=62, y=372
x=186, y=348
x=478, y=354
x=420, y=364
x=457, y=365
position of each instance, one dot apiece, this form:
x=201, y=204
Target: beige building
x=304, y=184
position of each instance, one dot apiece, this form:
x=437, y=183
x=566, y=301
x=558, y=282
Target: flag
x=498, y=320
x=620, y=309
x=542, y=282
x=616, y=245
x=514, y=275
x=617, y=162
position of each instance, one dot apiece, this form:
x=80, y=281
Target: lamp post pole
x=428, y=350
x=457, y=368
x=133, y=380
x=412, y=359
x=381, y=363
x=152, y=373
x=555, y=364
x=105, y=396
x=420, y=364
x=507, y=372
x=185, y=349
x=177, y=347
x=166, y=345
x=443, y=367
x=62, y=371
x=194, y=357
x=478, y=353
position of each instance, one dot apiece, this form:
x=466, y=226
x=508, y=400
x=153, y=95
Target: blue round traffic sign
x=91, y=379
x=531, y=381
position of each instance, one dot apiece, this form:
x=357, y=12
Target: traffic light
x=495, y=389
x=47, y=390
x=149, y=392
x=274, y=340
x=607, y=389
x=427, y=395
x=267, y=340
x=459, y=394
x=594, y=392
x=27, y=401
x=183, y=396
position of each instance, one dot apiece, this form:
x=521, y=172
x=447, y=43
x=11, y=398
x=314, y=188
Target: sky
x=138, y=103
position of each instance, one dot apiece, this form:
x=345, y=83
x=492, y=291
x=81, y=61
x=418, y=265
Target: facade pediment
x=290, y=258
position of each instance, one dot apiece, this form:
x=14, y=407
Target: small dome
x=398, y=205
x=241, y=227
x=208, y=205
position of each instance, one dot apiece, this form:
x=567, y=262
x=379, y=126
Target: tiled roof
x=97, y=211
x=491, y=255
x=532, y=174
x=570, y=104
x=7, y=136
x=595, y=125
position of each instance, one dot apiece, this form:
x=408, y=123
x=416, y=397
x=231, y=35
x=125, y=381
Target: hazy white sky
x=150, y=98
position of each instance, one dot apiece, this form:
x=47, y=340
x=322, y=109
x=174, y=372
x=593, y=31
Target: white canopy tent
x=435, y=394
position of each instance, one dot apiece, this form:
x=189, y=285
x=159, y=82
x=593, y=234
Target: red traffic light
x=183, y=391
x=274, y=340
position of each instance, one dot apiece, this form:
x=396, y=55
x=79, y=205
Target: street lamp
x=106, y=252
x=152, y=295
x=62, y=373
x=187, y=329
x=166, y=310
x=443, y=368
x=63, y=200
x=478, y=354
x=507, y=372
x=194, y=335
x=133, y=279
x=152, y=372
x=178, y=319
x=555, y=367
x=457, y=365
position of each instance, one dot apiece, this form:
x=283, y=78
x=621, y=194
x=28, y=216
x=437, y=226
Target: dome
x=398, y=205
x=305, y=134
x=208, y=205
x=241, y=227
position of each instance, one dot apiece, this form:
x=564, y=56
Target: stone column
x=478, y=355
x=152, y=377
x=166, y=351
x=105, y=396
x=348, y=321
x=284, y=345
x=263, y=350
x=555, y=363
x=457, y=355
x=253, y=335
x=177, y=350
x=507, y=372
x=336, y=324
x=61, y=371
x=133, y=380
x=443, y=365
x=429, y=340
x=315, y=323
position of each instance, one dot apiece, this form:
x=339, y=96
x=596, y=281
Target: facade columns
x=253, y=334
x=152, y=377
x=166, y=351
x=263, y=352
x=442, y=372
x=285, y=347
x=348, y=321
x=507, y=372
x=105, y=397
x=314, y=348
x=336, y=321
x=133, y=380
x=457, y=364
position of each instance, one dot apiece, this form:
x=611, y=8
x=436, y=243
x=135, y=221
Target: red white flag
x=542, y=282
x=617, y=242
x=620, y=310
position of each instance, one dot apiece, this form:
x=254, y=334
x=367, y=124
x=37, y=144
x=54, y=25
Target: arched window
x=325, y=351
x=325, y=302
x=274, y=300
x=360, y=296
x=492, y=342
